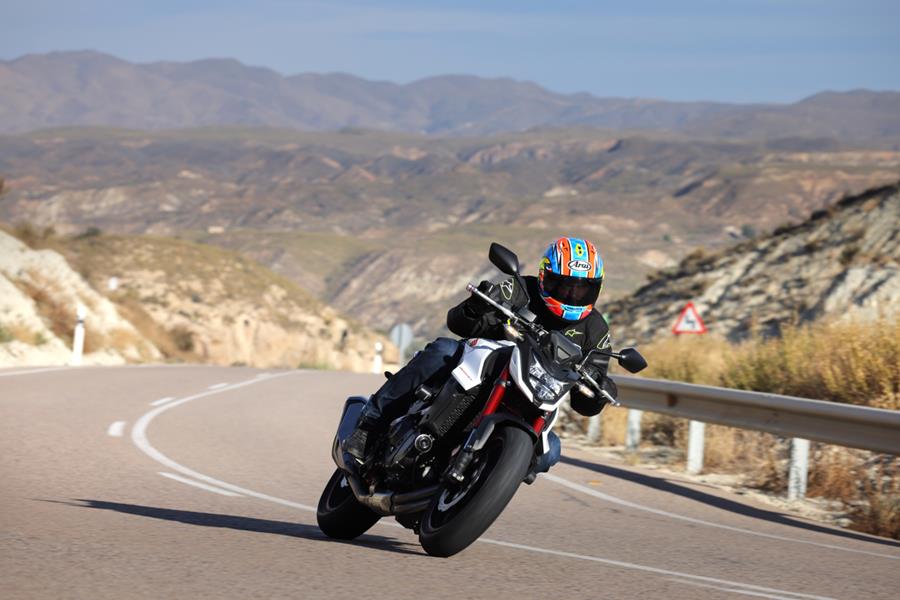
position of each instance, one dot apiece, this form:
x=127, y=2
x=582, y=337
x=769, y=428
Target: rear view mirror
x=631, y=360
x=504, y=259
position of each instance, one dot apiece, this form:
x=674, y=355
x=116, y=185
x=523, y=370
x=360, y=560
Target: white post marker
x=378, y=362
x=633, y=430
x=593, y=432
x=78, y=338
x=798, y=469
x=696, y=435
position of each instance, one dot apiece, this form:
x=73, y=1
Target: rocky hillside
x=39, y=293
x=63, y=89
x=844, y=262
x=158, y=298
x=363, y=220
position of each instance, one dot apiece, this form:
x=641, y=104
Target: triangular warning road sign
x=689, y=321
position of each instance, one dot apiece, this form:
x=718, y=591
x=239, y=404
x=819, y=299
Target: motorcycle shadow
x=240, y=523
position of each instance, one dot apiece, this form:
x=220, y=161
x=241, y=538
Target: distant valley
x=389, y=227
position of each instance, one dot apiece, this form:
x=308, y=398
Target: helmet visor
x=576, y=291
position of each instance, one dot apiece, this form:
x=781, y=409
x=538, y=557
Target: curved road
x=194, y=481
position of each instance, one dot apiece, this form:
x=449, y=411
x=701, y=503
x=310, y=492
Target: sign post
x=401, y=336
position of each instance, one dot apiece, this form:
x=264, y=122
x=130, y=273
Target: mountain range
x=89, y=88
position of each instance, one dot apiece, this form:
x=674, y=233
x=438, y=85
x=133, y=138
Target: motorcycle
x=449, y=466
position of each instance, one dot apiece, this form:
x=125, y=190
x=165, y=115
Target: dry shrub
x=612, y=426
x=183, y=338
x=835, y=473
x=732, y=450
x=852, y=362
x=130, y=308
x=59, y=317
x=5, y=335
x=688, y=358
x=879, y=512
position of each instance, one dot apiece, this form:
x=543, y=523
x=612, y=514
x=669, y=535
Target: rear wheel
x=460, y=514
x=339, y=514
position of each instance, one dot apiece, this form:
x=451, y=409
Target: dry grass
x=854, y=363
x=131, y=309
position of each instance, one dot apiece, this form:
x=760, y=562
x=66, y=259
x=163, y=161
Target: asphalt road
x=109, y=490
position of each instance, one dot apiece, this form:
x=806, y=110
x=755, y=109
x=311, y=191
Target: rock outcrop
x=844, y=262
x=39, y=293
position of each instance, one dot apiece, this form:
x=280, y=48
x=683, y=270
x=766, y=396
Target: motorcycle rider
x=562, y=297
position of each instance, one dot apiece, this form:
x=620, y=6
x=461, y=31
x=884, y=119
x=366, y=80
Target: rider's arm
x=598, y=365
x=473, y=317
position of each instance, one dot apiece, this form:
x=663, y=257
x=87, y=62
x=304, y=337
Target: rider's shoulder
x=597, y=319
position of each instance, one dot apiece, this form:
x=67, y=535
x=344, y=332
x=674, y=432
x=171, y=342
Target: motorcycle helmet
x=570, y=278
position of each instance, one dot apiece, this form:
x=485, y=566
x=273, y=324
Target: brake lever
x=600, y=389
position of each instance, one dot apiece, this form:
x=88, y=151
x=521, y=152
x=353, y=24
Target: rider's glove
x=476, y=304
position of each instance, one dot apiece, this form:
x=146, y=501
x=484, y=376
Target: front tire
x=458, y=516
x=339, y=514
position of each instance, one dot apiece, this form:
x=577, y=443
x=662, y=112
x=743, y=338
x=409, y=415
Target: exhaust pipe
x=391, y=503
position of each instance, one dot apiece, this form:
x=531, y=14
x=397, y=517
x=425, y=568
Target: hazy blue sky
x=739, y=50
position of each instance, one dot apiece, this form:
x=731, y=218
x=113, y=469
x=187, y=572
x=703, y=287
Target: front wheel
x=460, y=514
x=339, y=514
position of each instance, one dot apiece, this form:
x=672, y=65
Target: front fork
x=484, y=426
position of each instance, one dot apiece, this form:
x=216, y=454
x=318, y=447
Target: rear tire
x=339, y=514
x=458, y=516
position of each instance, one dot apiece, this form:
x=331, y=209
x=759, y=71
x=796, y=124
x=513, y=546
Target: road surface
x=201, y=482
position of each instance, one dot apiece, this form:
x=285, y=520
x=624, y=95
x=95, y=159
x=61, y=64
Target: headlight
x=546, y=387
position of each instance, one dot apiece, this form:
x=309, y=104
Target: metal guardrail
x=862, y=427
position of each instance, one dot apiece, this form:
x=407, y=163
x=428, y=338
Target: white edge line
x=655, y=570
x=202, y=486
x=726, y=589
x=217, y=386
x=139, y=437
x=614, y=500
x=116, y=429
x=162, y=401
x=42, y=370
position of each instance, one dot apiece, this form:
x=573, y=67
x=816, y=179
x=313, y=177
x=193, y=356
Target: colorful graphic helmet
x=570, y=278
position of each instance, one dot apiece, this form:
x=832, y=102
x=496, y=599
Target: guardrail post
x=696, y=437
x=593, y=432
x=633, y=430
x=78, y=338
x=798, y=469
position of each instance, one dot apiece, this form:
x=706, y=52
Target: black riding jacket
x=475, y=318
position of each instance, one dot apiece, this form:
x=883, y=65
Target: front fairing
x=543, y=384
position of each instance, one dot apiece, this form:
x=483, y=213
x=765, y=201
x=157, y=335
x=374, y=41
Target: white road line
x=162, y=401
x=139, y=437
x=217, y=386
x=725, y=589
x=116, y=429
x=202, y=486
x=606, y=497
x=41, y=370
x=655, y=570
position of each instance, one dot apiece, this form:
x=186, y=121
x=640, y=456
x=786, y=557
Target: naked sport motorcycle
x=449, y=466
